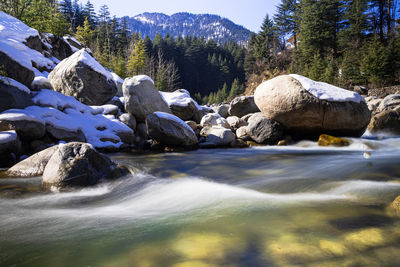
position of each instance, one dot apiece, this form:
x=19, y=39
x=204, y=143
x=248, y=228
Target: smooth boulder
x=337, y=112
x=216, y=136
x=77, y=164
x=214, y=119
x=263, y=130
x=16, y=70
x=142, y=98
x=82, y=77
x=169, y=130
x=34, y=165
x=242, y=105
x=27, y=126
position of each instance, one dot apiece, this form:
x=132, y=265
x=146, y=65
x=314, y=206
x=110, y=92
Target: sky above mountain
x=248, y=13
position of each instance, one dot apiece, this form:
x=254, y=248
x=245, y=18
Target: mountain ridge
x=209, y=26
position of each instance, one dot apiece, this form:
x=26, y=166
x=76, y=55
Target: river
x=299, y=205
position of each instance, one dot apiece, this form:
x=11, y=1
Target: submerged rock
x=328, y=140
x=77, y=164
x=169, y=130
x=82, y=77
x=308, y=109
x=34, y=165
x=142, y=98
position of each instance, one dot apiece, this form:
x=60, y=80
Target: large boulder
x=216, y=136
x=32, y=166
x=307, y=108
x=263, y=130
x=27, y=126
x=169, y=130
x=77, y=164
x=82, y=77
x=13, y=94
x=390, y=102
x=222, y=110
x=242, y=105
x=129, y=120
x=236, y=122
x=142, y=98
x=10, y=147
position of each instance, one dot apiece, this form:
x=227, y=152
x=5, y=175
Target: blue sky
x=249, y=13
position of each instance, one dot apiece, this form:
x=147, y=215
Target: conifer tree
x=84, y=34
x=137, y=58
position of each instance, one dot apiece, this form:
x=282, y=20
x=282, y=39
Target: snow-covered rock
x=82, y=77
x=182, y=105
x=17, y=50
x=170, y=130
x=64, y=115
x=41, y=82
x=308, y=109
x=142, y=97
x=118, y=82
x=26, y=125
x=13, y=94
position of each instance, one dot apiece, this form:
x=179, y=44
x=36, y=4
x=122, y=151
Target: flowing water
x=300, y=205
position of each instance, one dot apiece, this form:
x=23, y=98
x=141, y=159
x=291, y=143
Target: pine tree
x=137, y=58
x=265, y=41
x=84, y=34
x=90, y=14
x=286, y=19
x=236, y=89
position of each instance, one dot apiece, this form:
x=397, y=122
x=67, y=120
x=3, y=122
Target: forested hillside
x=345, y=42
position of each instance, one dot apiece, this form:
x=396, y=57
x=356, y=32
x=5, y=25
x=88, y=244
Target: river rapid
x=300, y=205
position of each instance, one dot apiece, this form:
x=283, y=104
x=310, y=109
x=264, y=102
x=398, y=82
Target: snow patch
x=116, y=78
x=142, y=78
x=15, y=84
x=178, y=98
x=325, y=91
x=93, y=63
x=8, y=137
x=174, y=118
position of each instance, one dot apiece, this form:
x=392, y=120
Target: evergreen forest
x=343, y=42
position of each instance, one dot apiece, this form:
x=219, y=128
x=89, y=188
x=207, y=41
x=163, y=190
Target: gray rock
x=246, y=117
x=235, y=122
x=82, y=77
x=192, y=124
x=41, y=83
x=169, y=130
x=27, y=127
x=263, y=130
x=10, y=147
x=64, y=134
x=77, y=164
x=241, y=133
x=214, y=119
x=217, y=136
x=142, y=97
x=60, y=48
x=32, y=166
x=242, y=105
x=11, y=97
x=222, y=110
x=129, y=120
x=390, y=102
x=15, y=70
